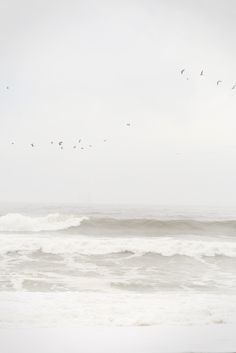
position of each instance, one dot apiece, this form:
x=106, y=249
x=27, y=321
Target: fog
x=84, y=69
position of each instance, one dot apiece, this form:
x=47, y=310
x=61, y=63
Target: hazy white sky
x=83, y=69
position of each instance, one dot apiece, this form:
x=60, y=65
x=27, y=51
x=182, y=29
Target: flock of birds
x=218, y=82
x=79, y=146
x=61, y=143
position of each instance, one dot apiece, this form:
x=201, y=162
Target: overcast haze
x=83, y=69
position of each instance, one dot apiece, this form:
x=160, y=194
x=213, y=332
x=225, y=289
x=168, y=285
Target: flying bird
x=74, y=146
x=60, y=143
x=128, y=124
x=80, y=140
x=234, y=86
x=7, y=87
x=182, y=71
x=218, y=82
x=32, y=145
x=51, y=142
x=104, y=140
x=201, y=74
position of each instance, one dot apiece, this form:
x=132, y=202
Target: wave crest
x=14, y=222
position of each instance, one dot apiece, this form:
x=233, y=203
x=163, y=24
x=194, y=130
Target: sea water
x=74, y=265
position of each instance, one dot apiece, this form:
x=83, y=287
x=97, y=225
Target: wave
x=14, y=222
x=166, y=248
x=89, y=246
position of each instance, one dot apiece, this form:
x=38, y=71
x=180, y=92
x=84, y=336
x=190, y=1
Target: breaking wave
x=105, y=226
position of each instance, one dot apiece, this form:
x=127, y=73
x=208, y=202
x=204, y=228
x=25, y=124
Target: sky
x=84, y=69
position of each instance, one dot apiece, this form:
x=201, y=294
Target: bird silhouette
x=128, y=124
x=234, y=86
x=218, y=82
x=182, y=71
x=32, y=145
x=201, y=74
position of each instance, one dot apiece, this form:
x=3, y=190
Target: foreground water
x=109, y=266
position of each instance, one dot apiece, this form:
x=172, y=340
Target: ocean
x=67, y=265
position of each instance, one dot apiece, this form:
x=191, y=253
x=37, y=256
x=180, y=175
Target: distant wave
x=105, y=226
